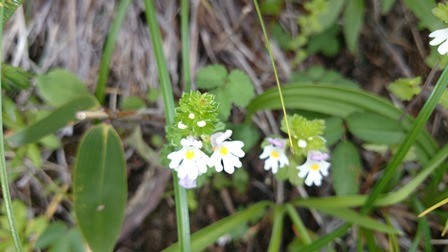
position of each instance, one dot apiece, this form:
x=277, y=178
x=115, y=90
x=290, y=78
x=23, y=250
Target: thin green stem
x=183, y=225
x=268, y=46
x=277, y=229
x=109, y=47
x=408, y=141
x=185, y=38
x=3, y=172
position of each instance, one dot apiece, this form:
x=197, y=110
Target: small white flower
x=226, y=154
x=314, y=168
x=441, y=39
x=181, y=125
x=274, y=154
x=201, y=123
x=302, y=143
x=191, y=116
x=189, y=161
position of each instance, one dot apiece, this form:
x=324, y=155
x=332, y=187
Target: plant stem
x=185, y=37
x=183, y=225
x=3, y=172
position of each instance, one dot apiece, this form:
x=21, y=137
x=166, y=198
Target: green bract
x=441, y=11
x=306, y=134
x=196, y=115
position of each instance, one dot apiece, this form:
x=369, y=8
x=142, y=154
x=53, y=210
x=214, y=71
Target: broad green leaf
x=53, y=122
x=346, y=169
x=359, y=219
x=423, y=10
x=15, y=77
x=239, y=88
x=211, y=76
x=100, y=188
x=374, y=128
x=334, y=130
x=10, y=7
x=405, y=88
x=208, y=235
x=353, y=21
x=59, y=87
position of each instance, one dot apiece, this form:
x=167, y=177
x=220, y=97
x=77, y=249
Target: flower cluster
x=307, y=141
x=193, y=133
x=190, y=161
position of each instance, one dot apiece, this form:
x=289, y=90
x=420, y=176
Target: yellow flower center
x=315, y=167
x=223, y=151
x=189, y=154
x=275, y=154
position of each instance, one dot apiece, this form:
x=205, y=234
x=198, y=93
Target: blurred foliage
x=405, y=88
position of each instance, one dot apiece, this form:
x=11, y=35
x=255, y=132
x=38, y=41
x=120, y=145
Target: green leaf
x=326, y=42
x=346, y=169
x=423, y=10
x=225, y=104
x=208, y=235
x=441, y=11
x=51, y=234
x=10, y=7
x=71, y=242
x=353, y=21
x=53, y=122
x=328, y=17
x=405, y=88
x=374, y=128
x=239, y=88
x=359, y=219
x=386, y=6
x=15, y=77
x=133, y=103
x=334, y=130
x=59, y=87
x=100, y=187
x=211, y=77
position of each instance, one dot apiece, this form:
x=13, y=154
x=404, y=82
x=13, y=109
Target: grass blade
x=185, y=40
x=277, y=229
x=409, y=139
x=109, y=47
x=183, y=222
x=3, y=172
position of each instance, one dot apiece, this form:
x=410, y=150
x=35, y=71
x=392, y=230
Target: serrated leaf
x=99, y=187
x=405, y=88
x=59, y=87
x=353, y=21
x=239, y=88
x=53, y=122
x=211, y=77
x=374, y=128
x=346, y=169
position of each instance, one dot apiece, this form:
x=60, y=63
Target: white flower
x=191, y=116
x=226, y=154
x=275, y=155
x=181, y=125
x=441, y=39
x=189, y=161
x=314, y=168
x=201, y=123
x=302, y=143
